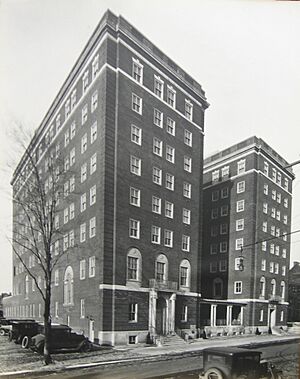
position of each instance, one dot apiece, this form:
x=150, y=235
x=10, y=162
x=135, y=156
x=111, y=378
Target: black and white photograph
x=149, y=189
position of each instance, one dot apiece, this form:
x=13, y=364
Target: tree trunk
x=47, y=326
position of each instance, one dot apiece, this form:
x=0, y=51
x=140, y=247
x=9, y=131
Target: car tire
x=25, y=342
x=213, y=373
x=85, y=347
x=2, y=332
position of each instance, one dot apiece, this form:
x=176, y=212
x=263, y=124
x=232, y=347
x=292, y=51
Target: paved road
x=285, y=356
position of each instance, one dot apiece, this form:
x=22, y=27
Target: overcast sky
x=245, y=54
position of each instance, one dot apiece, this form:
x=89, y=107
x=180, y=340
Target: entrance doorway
x=272, y=317
x=161, y=316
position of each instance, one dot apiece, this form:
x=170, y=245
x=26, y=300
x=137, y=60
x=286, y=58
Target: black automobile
x=22, y=331
x=62, y=339
x=236, y=363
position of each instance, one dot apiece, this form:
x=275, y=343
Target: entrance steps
x=172, y=340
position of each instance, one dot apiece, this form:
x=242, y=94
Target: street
x=284, y=356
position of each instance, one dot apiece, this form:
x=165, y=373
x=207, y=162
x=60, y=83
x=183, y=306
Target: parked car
x=22, y=331
x=5, y=326
x=236, y=363
x=62, y=339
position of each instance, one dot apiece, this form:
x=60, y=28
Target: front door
x=161, y=316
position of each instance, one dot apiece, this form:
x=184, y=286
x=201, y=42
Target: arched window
x=282, y=290
x=185, y=274
x=273, y=287
x=161, y=268
x=262, y=286
x=134, y=265
x=68, y=286
x=218, y=287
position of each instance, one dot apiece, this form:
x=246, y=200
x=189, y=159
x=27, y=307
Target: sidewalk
x=32, y=363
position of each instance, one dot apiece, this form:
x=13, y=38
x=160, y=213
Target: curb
x=152, y=357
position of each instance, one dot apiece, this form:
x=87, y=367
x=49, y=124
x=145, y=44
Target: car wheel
x=85, y=347
x=10, y=336
x=213, y=373
x=2, y=332
x=25, y=342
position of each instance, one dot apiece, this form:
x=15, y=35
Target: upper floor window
x=240, y=205
x=157, y=146
x=285, y=202
x=170, y=126
x=155, y=234
x=94, y=132
x=185, y=243
x=278, y=180
x=92, y=227
x=57, y=123
x=171, y=96
x=215, y=195
x=161, y=268
x=224, y=192
x=135, y=165
x=186, y=216
x=241, y=166
x=169, y=208
x=266, y=189
x=85, y=81
x=225, y=171
x=137, y=103
x=134, y=228
x=187, y=164
x=156, y=175
x=68, y=286
x=93, y=163
x=94, y=101
x=266, y=168
x=188, y=110
x=170, y=182
x=240, y=187
x=170, y=154
x=168, y=238
x=83, y=143
x=95, y=66
x=135, y=196
x=134, y=265
x=238, y=287
x=92, y=266
x=187, y=190
x=184, y=273
x=158, y=118
x=136, y=135
x=286, y=184
x=158, y=87
x=84, y=114
x=73, y=98
x=215, y=175
x=156, y=204
x=137, y=71
x=67, y=108
x=274, y=174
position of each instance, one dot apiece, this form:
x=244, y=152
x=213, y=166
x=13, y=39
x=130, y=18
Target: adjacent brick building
x=130, y=122
x=294, y=293
x=246, y=241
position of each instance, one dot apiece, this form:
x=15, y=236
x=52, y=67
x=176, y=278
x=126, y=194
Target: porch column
x=242, y=316
x=229, y=315
x=172, y=313
x=213, y=314
x=152, y=312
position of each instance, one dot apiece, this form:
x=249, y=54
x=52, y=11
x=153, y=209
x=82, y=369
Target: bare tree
x=42, y=181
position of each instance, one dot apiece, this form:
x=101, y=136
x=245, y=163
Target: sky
x=244, y=53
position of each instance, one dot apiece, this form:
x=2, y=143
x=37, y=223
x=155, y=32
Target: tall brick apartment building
x=132, y=123
x=247, y=204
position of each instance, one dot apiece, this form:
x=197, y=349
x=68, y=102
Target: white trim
x=257, y=301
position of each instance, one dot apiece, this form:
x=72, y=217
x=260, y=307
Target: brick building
x=246, y=242
x=294, y=293
x=130, y=122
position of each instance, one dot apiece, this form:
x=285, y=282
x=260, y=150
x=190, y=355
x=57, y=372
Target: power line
x=270, y=239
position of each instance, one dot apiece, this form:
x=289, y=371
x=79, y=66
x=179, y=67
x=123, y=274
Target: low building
x=294, y=293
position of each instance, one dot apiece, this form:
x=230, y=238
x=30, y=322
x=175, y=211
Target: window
x=83, y=202
x=265, y=208
x=66, y=164
x=264, y=246
x=265, y=226
x=92, y=266
x=170, y=182
x=214, y=213
x=158, y=87
x=73, y=130
x=72, y=157
x=56, y=277
x=135, y=165
x=93, y=195
x=170, y=126
x=278, y=181
x=239, y=243
x=82, y=269
x=133, y=308
x=188, y=110
x=72, y=211
x=156, y=175
x=82, y=232
x=224, y=192
x=85, y=81
x=217, y=287
x=278, y=198
x=84, y=114
x=223, y=265
x=161, y=268
x=93, y=163
x=136, y=135
x=188, y=137
x=276, y=268
x=73, y=99
x=92, y=227
x=285, y=202
x=213, y=248
x=57, y=121
x=158, y=118
x=71, y=238
x=82, y=308
x=68, y=286
x=223, y=228
x=135, y=195
x=187, y=190
x=187, y=164
x=273, y=174
x=169, y=207
x=137, y=71
x=56, y=247
x=66, y=215
x=271, y=267
x=184, y=273
x=156, y=204
x=286, y=184
x=225, y=171
x=185, y=243
x=186, y=216
x=238, y=287
x=263, y=265
x=266, y=189
x=224, y=210
x=134, y=228
x=223, y=247
x=134, y=259
x=136, y=104
x=241, y=166
x=132, y=340
x=215, y=175
x=284, y=236
x=239, y=224
x=171, y=96
x=215, y=195
x=278, y=215
x=184, y=313
x=65, y=242
x=94, y=132
x=262, y=287
x=273, y=287
x=283, y=253
x=282, y=290
x=155, y=234
x=67, y=138
x=240, y=187
x=157, y=146
x=170, y=154
x=266, y=168
x=83, y=143
x=56, y=222
x=240, y=205
x=94, y=101
x=95, y=66
x=168, y=238
x=273, y=194
x=272, y=248
x=283, y=270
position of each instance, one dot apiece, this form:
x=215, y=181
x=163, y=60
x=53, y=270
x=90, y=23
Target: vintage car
x=236, y=363
x=5, y=326
x=22, y=330
x=62, y=339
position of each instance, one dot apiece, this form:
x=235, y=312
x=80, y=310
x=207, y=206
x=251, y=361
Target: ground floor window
x=132, y=340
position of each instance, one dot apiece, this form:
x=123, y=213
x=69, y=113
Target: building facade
x=129, y=123
x=246, y=241
x=294, y=293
